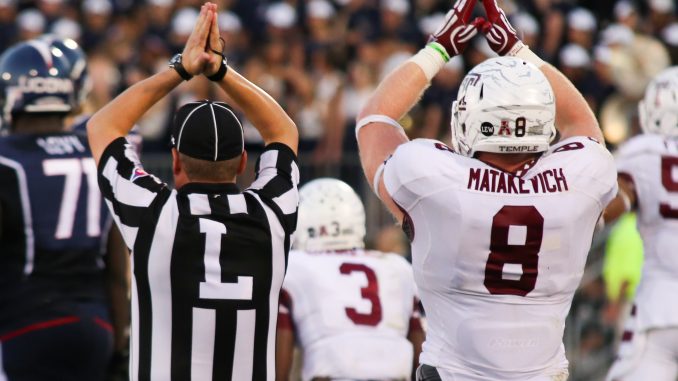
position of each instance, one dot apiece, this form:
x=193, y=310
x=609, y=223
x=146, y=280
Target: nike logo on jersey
x=137, y=174
x=494, y=181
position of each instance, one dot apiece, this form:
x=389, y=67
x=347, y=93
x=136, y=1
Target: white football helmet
x=658, y=111
x=331, y=217
x=504, y=105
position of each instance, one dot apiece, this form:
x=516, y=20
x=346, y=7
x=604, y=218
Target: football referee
x=208, y=259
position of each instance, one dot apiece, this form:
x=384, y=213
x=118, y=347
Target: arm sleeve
x=277, y=178
x=126, y=187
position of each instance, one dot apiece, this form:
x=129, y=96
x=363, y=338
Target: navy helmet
x=35, y=78
x=78, y=64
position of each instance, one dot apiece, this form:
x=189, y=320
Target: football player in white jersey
x=501, y=224
x=648, y=183
x=352, y=311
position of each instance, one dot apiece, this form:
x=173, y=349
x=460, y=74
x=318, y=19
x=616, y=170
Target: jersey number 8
x=504, y=251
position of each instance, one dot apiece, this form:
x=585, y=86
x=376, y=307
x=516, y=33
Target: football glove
x=500, y=34
x=456, y=32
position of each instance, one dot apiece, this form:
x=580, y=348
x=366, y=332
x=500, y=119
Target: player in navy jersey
x=54, y=229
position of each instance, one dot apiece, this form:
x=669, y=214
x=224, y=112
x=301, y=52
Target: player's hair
x=213, y=171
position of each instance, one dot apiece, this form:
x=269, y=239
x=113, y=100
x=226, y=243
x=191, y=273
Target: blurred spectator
x=235, y=40
x=670, y=38
x=626, y=13
x=527, y=27
x=281, y=19
x=662, y=13
x=66, y=28
x=96, y=16
x=575, y=63
x=181, y=27
x=319, y=16
x=395, y=22
x=159, y=16
x=31, y=24
x=52, y=9
x=582, y=27
x=8, y=25
x=634, y=59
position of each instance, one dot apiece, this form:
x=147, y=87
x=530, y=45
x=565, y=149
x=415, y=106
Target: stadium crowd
x=321, y=59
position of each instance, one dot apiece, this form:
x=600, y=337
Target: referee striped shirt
x=208, y=263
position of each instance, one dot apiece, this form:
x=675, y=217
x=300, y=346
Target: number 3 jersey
x=51, y=224
x=497, y=257
x=351, y=312
x=651, y=163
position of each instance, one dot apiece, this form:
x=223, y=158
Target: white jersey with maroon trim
x=651, y=163
x=497, y=257
x=351, y=312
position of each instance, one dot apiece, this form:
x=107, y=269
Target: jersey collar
x=229, y=188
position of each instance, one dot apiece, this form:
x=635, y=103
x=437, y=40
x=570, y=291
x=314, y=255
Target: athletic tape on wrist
x=377, y=118
x=430, y=60
x=440, y=49
x=524, y=52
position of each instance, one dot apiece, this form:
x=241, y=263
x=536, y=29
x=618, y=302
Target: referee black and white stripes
x=208, y=263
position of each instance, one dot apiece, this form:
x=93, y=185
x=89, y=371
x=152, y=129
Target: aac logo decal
x=487, y=129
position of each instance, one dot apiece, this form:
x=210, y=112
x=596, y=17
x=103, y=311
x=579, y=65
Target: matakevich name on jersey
x=494, y=181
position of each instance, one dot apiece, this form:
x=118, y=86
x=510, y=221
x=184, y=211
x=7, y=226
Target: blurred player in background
x=501, y=225
x=55, y=303
x=76, y=122
x=648, y=183
x=79, y=74
x=353, y=312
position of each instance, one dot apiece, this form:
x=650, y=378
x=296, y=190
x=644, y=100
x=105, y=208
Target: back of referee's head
x=208, y=143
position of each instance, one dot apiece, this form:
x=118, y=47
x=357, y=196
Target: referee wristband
x=221, y=73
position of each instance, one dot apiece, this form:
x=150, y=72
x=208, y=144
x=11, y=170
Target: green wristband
x=440, y=49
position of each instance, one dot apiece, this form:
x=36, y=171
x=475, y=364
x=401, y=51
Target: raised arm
x=574, y=117
x=377, y=131
x=118, y=117
x=267, y=116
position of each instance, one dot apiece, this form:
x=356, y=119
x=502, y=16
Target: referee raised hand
x=208, y=259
